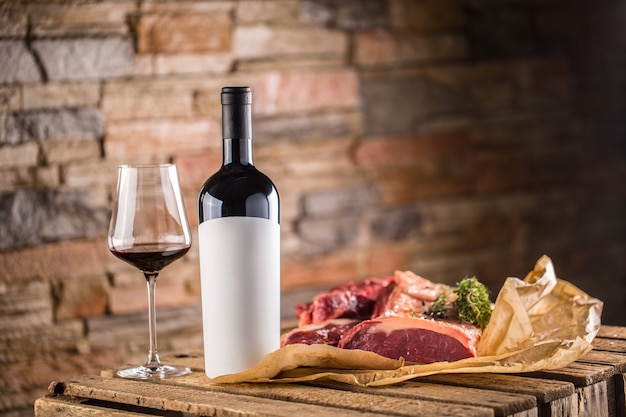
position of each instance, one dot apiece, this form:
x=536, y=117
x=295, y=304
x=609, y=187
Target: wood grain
x=592, y=386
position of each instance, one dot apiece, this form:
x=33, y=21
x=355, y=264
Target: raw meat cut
x=352, y=300
x=412, y=296
x=414, y=339
x=328, y=333
x=390, y=316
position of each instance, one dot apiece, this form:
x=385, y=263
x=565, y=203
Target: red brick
x=384, y=48
x=13, y=97
x=336, y=268
x=451, y=267
x=261, y=41
x=505, y=83
x=54, y=366
x=64, y=151
x=81, y=297
x=52, y=95
x=306, y=159
x=26, y=306
x=393, y=152
x=48, y=176
x=60, y=260
x=79, y=19
x=194, y=170
x=294, y=91
x=175, y=284
x=509, y=81
x=383, y=260
x=143, y=140
x=428, y=15
x=428, y=179
x=469, y=75
x=90, y=174
x=124, y=300
x=13, y=19
x=499, y=171
x=190, y=63
x=249, y=12
x=85, y=58
x=18, y=63
x=184, y=32
x=23, y=155
x=207, y=103
x=131, y=101
x=190, y=199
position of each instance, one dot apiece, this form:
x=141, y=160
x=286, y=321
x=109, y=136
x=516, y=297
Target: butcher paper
x=541, y=322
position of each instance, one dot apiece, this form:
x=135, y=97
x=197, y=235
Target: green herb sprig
x=439, y=306
x=472, y=303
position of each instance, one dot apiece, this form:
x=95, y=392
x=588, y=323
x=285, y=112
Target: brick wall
x=449, y=137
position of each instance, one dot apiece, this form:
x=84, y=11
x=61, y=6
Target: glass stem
x=153, y=361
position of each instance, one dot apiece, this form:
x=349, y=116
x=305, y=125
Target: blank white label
x=240, y=279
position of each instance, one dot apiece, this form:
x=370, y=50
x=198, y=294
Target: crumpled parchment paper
x=541, y=322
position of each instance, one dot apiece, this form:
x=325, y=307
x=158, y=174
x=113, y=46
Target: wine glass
x=149, y=230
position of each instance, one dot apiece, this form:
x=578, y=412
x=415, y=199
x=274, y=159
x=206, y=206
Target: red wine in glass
x=149, y=230
x=151, y=257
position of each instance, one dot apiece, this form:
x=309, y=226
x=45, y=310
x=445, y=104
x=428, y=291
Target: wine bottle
x=239, y=242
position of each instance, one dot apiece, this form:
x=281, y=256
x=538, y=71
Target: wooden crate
x=592, y=386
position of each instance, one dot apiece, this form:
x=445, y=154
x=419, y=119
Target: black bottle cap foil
x=236, y=95
x=236, y=113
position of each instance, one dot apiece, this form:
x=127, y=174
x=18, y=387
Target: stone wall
x=449, y=137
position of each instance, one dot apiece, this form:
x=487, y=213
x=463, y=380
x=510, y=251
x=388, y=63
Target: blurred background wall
x=449, y=137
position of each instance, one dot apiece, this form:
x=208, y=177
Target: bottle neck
x=237, y=151
x=237, y=129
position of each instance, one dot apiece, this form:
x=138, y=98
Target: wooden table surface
x=592, y=386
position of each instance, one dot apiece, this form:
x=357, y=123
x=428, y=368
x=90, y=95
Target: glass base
x=162, y=372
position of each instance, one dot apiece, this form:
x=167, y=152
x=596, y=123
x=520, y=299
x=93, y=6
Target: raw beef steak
x=328, y=333
x=352, y=301
x=414, y=339
x=411, y=296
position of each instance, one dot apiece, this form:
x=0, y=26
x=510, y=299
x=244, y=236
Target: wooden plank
x=289, y=400
x=615, y=359
x=593, y=384
x=58, y=406
x=583, y=376
x=344, y=396
x=554, y=403
x=502, y=404
x=193, y=359
x=620, y=395
x=609, y=342
x=593, y=401
x=609, y=345
x=612, y=332
x=578, y=373
x=616, y=396
x=562, y=407
x=554, y=398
